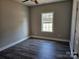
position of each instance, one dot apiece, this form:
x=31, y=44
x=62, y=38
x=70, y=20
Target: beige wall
x=62, y=19
x=13, y=22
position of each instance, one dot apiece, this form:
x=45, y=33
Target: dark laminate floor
x=36, y=49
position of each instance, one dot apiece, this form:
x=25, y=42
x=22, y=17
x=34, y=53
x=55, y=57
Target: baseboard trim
x=14, y=43
x=55, y=39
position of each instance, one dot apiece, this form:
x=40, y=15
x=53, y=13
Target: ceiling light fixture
x=31, y=0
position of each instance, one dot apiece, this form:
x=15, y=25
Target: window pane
x=47, y=22
x=47, y=27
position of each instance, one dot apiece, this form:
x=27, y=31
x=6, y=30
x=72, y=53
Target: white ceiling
x=29, y=3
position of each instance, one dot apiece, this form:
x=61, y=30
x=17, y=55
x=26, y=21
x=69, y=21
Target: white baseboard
x=14, y=43
x=55, y=39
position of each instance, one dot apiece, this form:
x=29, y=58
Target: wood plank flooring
x=37, y=49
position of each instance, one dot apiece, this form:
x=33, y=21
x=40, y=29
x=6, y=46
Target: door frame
x=73, y=27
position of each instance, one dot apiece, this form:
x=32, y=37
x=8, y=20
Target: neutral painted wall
x=62, y=19
x=13, y=22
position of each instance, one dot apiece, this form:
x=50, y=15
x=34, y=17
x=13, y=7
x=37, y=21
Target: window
x=47, y=22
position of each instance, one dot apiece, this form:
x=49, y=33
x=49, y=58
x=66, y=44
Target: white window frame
x=42, y=21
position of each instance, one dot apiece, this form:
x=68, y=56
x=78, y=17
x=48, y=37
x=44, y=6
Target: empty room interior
x=39, y=29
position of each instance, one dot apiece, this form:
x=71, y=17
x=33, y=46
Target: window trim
x=52, y=23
